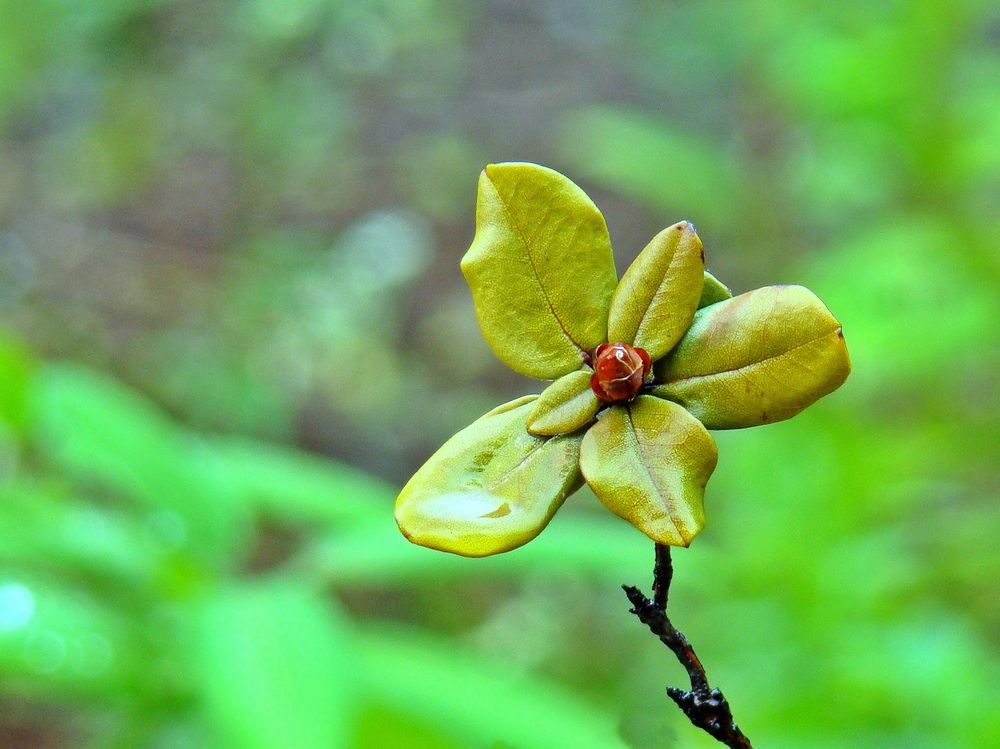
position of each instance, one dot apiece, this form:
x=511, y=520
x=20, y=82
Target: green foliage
x=652, y=162
x=273, y=665
x=423, y=678
x=375, y=554
x=246, y=663
x=59, y=642
x=296, y=486
x=110, y=437
x=15, y=381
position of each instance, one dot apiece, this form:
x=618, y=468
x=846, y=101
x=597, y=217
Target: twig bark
x=704, y=706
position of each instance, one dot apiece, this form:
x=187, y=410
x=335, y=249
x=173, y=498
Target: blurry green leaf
x=850, y=167
x=977, y=162
x=540, y=269
x=275, y=667
x=94, y=429
x=490, y=488
x=281, y=21
x=656, y=298
x=712, y=291
x=475, y=699
x=651, y=162
x=914, y=270
x=383, y=724
x=43, y=529
x=378, y=555
x=926, y=649
x=16, y=371
x=648, y=462
x=757, y=358
x=832, y=73
x=57, y=642
x=29, y=39
x=296, y=486
x=564, y=406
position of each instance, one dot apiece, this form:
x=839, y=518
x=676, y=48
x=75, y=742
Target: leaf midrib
x=656, y=291
x=757, y=363
x=652, y=479
x=531, y=261
x=510, y=471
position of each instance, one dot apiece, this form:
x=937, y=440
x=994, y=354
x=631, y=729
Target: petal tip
x=402, y=527
x=536, y=427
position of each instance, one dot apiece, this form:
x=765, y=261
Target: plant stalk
x=705, y=707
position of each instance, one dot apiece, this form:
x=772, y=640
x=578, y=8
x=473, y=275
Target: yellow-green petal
x=657, y=296
x=649, y=462
x=759, y=357
x=540, y=269
x=712, y=291
x=490, y=488
x=564, y=406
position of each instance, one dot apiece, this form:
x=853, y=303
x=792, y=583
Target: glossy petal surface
x=492, y=487
x=712, y=291
x=653, y=305
x=759, y=357
x=648, y=462
x=564, y=406
x=540, y=269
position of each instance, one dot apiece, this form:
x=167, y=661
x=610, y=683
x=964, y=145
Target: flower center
x=619, y=371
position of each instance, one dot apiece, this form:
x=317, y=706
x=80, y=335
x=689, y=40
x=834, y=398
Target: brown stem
x=705, y=707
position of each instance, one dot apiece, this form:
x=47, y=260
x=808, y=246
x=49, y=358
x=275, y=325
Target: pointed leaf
x=656, y=299
x=648, y=462
x=566, y=405
x=540, y=269
x=712, y=291
x=759, y=357
x=491, y=488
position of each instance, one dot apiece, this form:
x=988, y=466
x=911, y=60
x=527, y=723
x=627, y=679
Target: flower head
x=641, y=369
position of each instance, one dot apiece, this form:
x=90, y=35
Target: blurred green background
x=232, y=324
